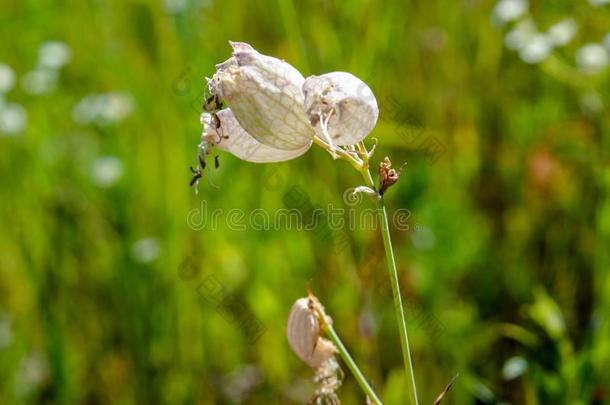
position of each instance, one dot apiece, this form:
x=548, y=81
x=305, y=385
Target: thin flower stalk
x=351, y=364
x=361, y=163
x=393, y=273
x=398, y=305
x=275, y=114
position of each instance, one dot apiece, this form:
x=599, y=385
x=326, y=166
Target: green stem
x=360, y=161
x=330, y=331
x=398, y=306
x=389, y=251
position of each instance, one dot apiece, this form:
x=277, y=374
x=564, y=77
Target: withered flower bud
x=387, y=175
x=304, y=330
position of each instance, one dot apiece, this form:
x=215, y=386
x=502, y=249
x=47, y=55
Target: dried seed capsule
x=228, y=135
x=265, y=95
x=303, y=331
x=341, y=104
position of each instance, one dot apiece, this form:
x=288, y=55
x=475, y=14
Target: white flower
x=104, y=109
x=106, y=171
x=118, y=106
x=520, y=35
x=175, y=6
x=54, y=54
x=537, y=49
x=514, y=367
x=599, y=3
x=146, y=250
x=509, y=10
x=13, y=119
x=562, y=32
x=592, y=58
x=32, y=373
x=7, y=78
x=39, y=81
x=275, y=113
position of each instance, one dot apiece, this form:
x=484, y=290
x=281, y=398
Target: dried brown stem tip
x=445, y=391
x=387, y=175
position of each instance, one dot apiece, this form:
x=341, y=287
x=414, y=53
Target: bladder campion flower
x=275, y=114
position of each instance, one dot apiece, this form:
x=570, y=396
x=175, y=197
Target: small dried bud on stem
x=306, y=324
x=387, y=175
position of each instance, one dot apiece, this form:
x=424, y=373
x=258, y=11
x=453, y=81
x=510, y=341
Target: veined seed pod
x=303, y=331
x=225, y=133
x=265, y=95
x=340, y=107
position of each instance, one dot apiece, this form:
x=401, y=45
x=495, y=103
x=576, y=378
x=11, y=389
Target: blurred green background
x=109, y=295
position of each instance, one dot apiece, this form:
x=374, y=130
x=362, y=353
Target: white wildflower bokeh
x=106, y=171
x=54, y=54
x=592, y=58
x=509, y=10
x=39, y=81
x=536, y=49
x=104, y=108
x=514, y=367
x=535, y=46
x=146, y=250
x=599, y=3
x=33, y=372
x=175, y=6
x=563, y=32
x=13, y=119
x=520, y=34
x=44, y=78
x=7, y=78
